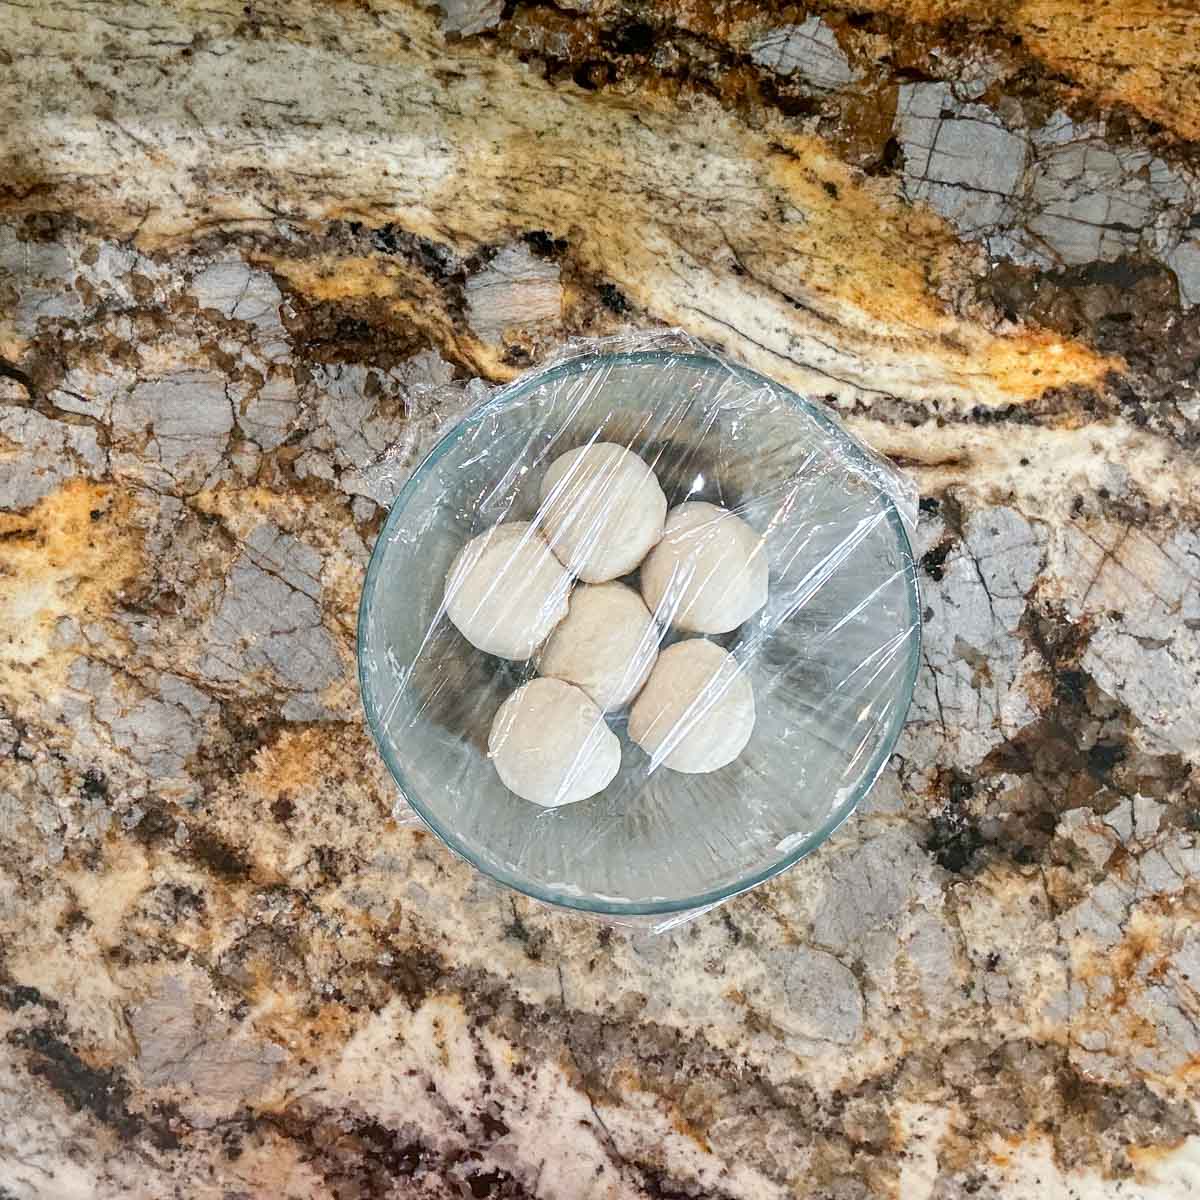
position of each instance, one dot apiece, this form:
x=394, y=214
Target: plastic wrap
x=530, y=605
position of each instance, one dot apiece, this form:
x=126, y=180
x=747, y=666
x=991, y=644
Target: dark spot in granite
x=891, y=159
x=16, y=996
x=954, y=837
x=1007, y=414
x=734, y=931
x=103, y=1093
x=436, y=259
x=495, y=1183
x=20, y=732
x=517, y=928
x=1071, y=685
x=1057, y=775
x=413, y=973
x=658, y=1185
x=356, y=1156
x=186, y=899
x=216, y=855
x=1133, y=1113
x=517, y=355
x=387, y=239
x=156, y=823
x=95, y=784
x=283, y=809
x=631, y=37
x=613, y=299
x=933, y=563
x=1103, y=756
x=72, y=917
x=1010, y=1086
x=232, y=1143
x=492, y=1126
x=45, y=227
x=784, y=98
x=244, y=730
x=592, y=75
x=273, y=950
x=326, y=858
x=545, y=245
x=863, y=135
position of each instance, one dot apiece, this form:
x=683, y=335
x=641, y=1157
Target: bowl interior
x=832, y=657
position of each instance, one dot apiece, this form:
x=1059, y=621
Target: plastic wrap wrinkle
x=828, y=651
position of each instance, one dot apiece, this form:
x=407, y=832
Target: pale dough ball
x=607, y=644
x=505, y=591
x=698, y=685
x=550, y=744
x=709, y=572
x=602, y=510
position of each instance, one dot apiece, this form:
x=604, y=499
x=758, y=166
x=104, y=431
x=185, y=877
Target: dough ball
x=709, y=572
x=505, y=591
x=697, y=684
x=550, y=744
x=602, y=510
x=607, y=645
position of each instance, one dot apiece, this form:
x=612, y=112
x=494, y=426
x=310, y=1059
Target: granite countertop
x=253, y=255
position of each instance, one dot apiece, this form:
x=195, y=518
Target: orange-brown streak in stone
x=388, y=290
x=57, y=561
x=1144, y=53
x=663, y=199
x=297, y=762
x=1146, y=1159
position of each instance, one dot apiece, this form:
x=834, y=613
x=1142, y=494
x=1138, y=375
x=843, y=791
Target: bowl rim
x=505, y=396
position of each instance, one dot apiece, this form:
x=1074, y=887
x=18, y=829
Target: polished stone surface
x=253, y=257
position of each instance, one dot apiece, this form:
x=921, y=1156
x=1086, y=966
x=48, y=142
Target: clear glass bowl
x=832, y=657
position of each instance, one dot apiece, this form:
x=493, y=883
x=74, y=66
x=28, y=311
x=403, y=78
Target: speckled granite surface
x=252, y=255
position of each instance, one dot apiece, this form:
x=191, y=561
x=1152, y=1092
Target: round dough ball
x=602, y=510
x=551, y=746
x=697, y=684
x=505, y=591
x=709, y=572
x=607, y=645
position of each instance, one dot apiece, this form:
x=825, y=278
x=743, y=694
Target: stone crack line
x=611, y=1142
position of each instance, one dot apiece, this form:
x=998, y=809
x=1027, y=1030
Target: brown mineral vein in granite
x=251, y=259
x=767, y=241
x=1137, y=59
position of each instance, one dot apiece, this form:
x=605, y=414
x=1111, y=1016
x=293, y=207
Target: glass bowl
x=832, y=658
